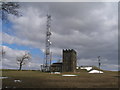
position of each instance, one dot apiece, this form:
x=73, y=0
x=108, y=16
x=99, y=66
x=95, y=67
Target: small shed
x=56, y=67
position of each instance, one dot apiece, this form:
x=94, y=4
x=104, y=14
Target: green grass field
x=37, y=79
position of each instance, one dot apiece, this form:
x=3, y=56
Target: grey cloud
x=89, y=28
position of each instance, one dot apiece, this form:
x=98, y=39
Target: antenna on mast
x=99, y=63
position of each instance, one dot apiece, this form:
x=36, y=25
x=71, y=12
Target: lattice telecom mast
x=48, y=43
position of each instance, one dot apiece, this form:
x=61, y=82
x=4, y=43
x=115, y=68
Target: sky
x=90, y=28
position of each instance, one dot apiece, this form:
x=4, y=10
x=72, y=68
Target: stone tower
x=69, y=60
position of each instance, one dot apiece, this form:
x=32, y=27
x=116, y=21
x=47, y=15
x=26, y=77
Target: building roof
x=57, y=64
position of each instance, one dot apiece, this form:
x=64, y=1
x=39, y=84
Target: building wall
x=56, y=69
x=69, y=60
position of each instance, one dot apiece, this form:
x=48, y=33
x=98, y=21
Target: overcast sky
x=91, y=28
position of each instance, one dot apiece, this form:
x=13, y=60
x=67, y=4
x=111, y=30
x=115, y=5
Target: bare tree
x=8, y=8
x=23, y=60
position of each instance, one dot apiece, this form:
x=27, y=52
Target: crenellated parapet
x=69, y=50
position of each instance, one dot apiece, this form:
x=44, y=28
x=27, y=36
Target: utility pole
x=50, y=60
x=99, y=63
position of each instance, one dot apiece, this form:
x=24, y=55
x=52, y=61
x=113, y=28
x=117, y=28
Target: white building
x=88, y=68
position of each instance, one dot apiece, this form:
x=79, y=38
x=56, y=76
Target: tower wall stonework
x=69, y=60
